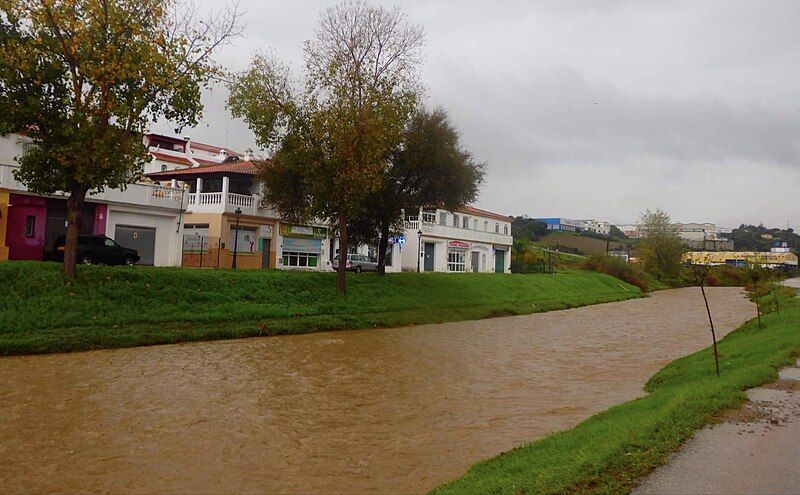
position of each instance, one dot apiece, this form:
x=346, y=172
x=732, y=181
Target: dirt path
x=756, y=450
x=396, y=410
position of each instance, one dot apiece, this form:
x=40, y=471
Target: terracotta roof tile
x=242, y=167
x=477, y=211
x=170, y=158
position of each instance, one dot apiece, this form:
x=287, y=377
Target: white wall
x=168, y=241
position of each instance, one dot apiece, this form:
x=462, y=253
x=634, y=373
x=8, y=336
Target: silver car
x=357, y=263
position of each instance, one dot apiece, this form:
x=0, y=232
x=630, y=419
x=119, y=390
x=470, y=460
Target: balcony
x=133, y=194
x=469, y=235
x=220, y=202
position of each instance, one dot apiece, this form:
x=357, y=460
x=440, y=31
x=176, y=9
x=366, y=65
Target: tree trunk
x=341, y=271
x=713, y=333
x=775, y=298
x=758, y=312
x=74, y=210
x=383, y=243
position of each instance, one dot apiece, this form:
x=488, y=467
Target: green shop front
x=302, y=246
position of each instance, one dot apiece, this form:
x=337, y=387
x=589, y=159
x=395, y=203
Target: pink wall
x=20, y=245
x=100, y=216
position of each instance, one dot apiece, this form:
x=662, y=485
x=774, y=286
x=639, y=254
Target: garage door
x=142, y=239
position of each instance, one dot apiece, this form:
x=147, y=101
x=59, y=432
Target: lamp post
x=238, y=214
x=419, y=247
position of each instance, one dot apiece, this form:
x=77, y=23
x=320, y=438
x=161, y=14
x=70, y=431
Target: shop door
x=142, y=239
x=429, y=246
x=265, y=246
x=499, y=261
x=476, y=262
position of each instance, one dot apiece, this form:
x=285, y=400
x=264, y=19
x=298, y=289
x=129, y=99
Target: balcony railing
x=133, y=194
x=218, y=202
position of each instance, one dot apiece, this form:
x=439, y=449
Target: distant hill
x=579, y=244
x=528, y=228
x=760, y=238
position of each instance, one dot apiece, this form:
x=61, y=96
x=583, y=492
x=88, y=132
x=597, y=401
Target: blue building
x=563, y=224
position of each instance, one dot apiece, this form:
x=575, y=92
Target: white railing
x=133, y=194
x=212, y=198
x=219, y=202
x=241, y=200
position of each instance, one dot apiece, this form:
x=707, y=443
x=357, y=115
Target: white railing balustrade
x=240, y=200
x=212, y=198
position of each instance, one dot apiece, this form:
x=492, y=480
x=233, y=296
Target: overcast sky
x=595, y=108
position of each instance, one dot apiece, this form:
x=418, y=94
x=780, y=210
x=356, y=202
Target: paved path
x=756, y=450
x=792, y=282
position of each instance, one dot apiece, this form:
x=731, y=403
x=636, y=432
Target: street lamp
x=419, y=247
x=238, y=214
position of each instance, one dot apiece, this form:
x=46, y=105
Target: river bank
x=390, y=410
x=611, y=451
x=113, y=307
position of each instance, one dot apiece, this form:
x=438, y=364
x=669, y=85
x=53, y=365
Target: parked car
x=97, y=249
x=357, y=263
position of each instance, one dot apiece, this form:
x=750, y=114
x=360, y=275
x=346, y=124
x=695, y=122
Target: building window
x=429, y=216
x=300, y=259
x=246, y=242
x=456, y=260
x=475, y=224
x=27, y=146
x=505, y=229
x=442, y=218
x=163, y=168
x=30, y=226
x=497, y=228
x=486, y=226
x=455, y=220
x=465, y=223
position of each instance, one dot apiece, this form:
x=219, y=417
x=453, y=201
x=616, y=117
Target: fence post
x=201, y=251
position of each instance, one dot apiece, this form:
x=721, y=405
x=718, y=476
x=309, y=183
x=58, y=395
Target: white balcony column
x=173, y=183
x=419, y=218
x=226, y=186
x=199, y=186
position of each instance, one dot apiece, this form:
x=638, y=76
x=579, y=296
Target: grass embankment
x=609, y=451
x=123, y=307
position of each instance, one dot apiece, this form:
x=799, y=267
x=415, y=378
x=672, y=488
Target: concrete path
x=756, y=449
x=792, y=282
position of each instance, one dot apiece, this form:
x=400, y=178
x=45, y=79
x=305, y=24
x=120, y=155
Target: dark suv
x=97, y=249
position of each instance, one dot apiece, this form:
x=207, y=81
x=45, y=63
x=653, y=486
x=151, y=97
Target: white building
x=696, y=231
x=144, y=216
x=597, y=226
x=468, y=240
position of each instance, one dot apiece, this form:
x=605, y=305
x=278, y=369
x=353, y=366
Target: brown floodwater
x=394, y=410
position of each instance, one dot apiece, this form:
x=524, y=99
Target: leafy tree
x=615, y=232
x=659, y=249
x=83, y=78
x=333, y=135
x=528, y=228
x=428, y=168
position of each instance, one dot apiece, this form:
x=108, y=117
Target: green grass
x=608, y=452
x=122, y=307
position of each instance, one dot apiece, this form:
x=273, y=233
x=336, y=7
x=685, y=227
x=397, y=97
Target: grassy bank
x=609, y=451
x=123, y=307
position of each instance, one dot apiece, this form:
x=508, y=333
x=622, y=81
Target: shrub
x=617, y=267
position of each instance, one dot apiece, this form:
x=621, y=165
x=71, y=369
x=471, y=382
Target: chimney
x=248, y=154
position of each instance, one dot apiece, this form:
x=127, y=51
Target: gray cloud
x=597, y=108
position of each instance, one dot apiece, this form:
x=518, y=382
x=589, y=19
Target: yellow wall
x=219, y=226
x=3, y=223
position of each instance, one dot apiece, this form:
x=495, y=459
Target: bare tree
x=700, y=270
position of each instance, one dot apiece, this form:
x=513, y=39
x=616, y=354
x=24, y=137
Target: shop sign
x=459, y=244
x=265, y=231
x=307, y=231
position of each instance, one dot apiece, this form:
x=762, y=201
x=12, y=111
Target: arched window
x=163, y=168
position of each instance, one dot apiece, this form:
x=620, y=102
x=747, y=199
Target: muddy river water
x=395, y=410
